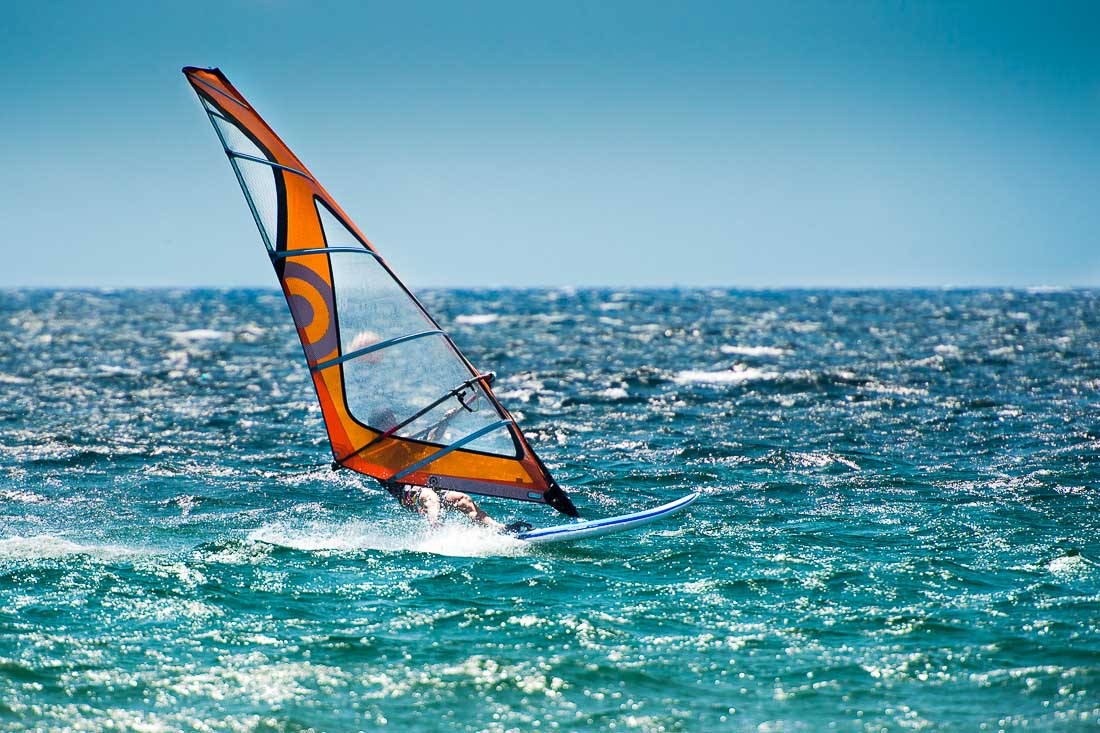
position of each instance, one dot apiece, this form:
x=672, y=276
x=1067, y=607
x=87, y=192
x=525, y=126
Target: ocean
x=898, y=527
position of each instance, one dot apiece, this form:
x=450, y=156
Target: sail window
x=373, y=346
x=257, y=179
x=336, y=232
x=468, y=409
x=388, y=385
x=211, y=108
x=260, y=186
x=236, y=141
x=463, y=393
x=370, y=305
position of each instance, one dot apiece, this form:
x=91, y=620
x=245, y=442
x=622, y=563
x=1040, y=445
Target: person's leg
x=463, y=503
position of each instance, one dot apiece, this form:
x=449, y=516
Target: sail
x=399, y=400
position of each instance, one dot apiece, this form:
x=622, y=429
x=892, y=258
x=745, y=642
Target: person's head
x=382, y=419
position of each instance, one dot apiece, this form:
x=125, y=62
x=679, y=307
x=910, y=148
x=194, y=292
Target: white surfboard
x=608, y=525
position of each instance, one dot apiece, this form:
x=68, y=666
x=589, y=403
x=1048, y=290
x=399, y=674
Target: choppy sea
x=899, y=526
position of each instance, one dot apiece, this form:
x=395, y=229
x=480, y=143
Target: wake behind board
x=608, y=525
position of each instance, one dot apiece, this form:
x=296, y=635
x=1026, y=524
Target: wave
x=476, y=319
x=48, y=547
x=1070, y=564
x=894, y=389
x=613, y=393
x=752, y=350
x=25, y=497
x=737, y=375
x=199, y=334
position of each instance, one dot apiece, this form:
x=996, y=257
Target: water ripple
x=898, y=523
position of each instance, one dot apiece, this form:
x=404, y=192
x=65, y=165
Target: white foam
x=517, y=395
x=199, y=334
x=803, y=326
x=550, y=317
x=250, y=333
x=456, y=538
x=739, y=374
x=476, y=319
x=1069, y=565
x=752, y=350
x=114, y=369
x=45, y=547
x=614, y=393
x=26, y=497
x=894, y=389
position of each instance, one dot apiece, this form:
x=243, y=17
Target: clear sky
x=752, y=144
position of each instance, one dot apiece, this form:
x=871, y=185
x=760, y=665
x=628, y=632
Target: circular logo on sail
x=310, y=299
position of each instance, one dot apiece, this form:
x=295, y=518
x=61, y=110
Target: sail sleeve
x=400, y=401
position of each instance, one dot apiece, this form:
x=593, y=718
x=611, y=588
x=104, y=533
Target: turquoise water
x=898, y=528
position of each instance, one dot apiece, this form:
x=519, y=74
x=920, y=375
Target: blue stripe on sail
x=374, y=347
x=214, y=89
x=444, y=451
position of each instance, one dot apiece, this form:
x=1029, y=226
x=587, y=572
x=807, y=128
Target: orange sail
x=400, y=401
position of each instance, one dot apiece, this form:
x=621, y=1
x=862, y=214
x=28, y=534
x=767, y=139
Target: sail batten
x=273, y=164
x=376, y=347
x=383, y=368
x=325, y=250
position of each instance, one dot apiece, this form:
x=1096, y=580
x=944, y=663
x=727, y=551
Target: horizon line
x=1037, y=288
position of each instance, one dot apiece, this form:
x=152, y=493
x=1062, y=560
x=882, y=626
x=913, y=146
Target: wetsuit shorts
x=407, y=496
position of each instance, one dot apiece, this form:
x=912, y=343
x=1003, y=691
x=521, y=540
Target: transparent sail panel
x=370, y=306
x=386, y=387
x=236, y=140
x=459, y=415
x=259, y=179
x=336, y=234
x=210, y=107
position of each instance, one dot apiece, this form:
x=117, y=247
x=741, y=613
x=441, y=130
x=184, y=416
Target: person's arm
x=430, y=501
x=467, y=506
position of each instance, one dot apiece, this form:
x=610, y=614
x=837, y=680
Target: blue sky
x=746, y=144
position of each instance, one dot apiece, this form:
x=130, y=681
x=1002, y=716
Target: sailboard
x=608, y=525
x=400, y=401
